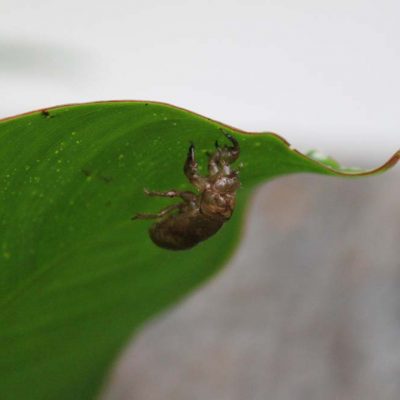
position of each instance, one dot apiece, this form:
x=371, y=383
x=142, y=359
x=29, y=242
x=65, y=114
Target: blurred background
x=309, y=307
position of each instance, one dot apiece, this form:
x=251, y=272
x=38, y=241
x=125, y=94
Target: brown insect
x=183, y=225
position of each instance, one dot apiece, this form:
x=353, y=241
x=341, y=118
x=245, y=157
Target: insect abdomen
x=180, y=232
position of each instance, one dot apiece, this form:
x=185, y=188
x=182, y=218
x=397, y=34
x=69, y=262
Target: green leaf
x=77, y=275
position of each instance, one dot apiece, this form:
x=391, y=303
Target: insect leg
x=191, y=172
x=187, y=196
x=154, y=193
x=230, y=153
x=213, y=161
x=223, y=156
x=163, y=212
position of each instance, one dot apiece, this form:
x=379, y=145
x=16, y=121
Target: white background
x=323, y=74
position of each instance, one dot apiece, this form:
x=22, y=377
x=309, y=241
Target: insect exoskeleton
x=199, y=215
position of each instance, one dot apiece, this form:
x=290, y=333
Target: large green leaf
x=77, y=276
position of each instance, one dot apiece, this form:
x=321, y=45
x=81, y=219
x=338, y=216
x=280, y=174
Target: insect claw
x=227, y=134
x=191, y=151
x=230, y=137
x=233, y=140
